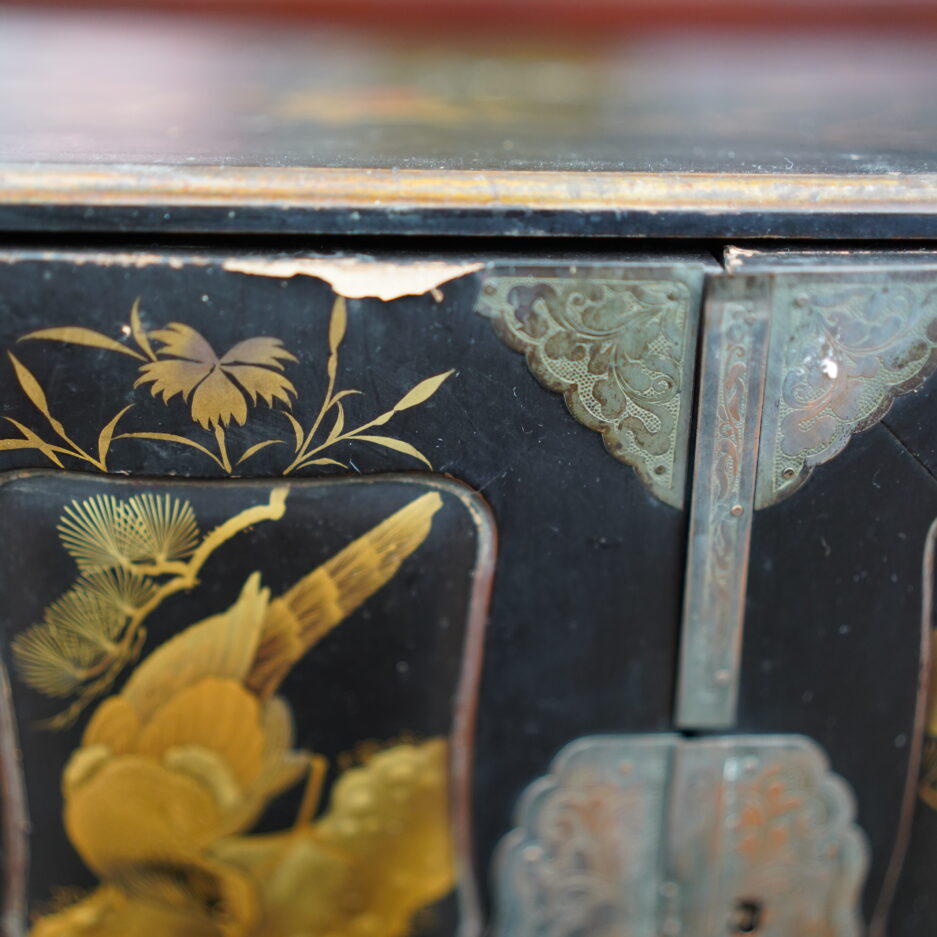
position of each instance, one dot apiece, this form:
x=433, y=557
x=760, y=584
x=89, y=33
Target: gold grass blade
x=139, y=333
x=324, y=598
x=75, y=335
x=106, y=436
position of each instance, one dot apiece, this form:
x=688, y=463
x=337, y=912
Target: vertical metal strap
x=732, y=381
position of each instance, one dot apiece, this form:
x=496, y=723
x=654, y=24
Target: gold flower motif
x=218, y=387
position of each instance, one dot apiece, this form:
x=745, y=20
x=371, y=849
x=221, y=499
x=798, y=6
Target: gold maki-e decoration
x=220, y=391
x=174, y=770
x=105, y=533
x=131, y=555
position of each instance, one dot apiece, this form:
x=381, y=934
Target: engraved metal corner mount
x=651, y=835
x=621, y=351
x=841, y=351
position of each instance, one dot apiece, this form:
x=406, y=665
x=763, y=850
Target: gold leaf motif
x=36, y=442
x=260, y=382
x=262, y=351
x=10, y=444
x=107, y=434
x=182, y=341
x=74, y=335
x=422, y=391
x=172, y=437
x=323, y=461
x=35, y=393
x=217, y=401
x=398, y=445
x=257, y=447
x=173, y=376
x=339, y=423
x=138, y=332
x=297, y=428
x=338, y=323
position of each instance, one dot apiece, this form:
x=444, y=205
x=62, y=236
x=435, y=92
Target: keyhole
x=746, y=917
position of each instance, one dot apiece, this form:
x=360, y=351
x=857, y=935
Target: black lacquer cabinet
x=416, y=525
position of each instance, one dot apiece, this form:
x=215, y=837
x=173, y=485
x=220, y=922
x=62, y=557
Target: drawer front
x=503, y=527
x=321, y=377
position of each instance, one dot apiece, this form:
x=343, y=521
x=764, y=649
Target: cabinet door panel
x=238, y=702
x=838, y=602
x=560, y=391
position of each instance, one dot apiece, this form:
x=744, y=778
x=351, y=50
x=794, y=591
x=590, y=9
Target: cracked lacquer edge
x=358, y=277
x=354, y=277
x=578, y=331
x=842, y=350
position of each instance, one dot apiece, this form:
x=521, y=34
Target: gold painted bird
x=174, y=771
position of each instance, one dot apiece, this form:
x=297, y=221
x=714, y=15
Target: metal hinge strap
x=732, y=382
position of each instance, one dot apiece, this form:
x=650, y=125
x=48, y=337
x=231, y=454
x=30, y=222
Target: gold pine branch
x=45, y=648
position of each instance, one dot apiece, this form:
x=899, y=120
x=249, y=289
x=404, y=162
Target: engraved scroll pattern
x=841, y=354
x=729, y=461
x=792, y=843
x=720, y=521
x=584, y=857
x=619, y=351
x=656, y=834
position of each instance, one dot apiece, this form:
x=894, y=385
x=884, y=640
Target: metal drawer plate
x=659, y=835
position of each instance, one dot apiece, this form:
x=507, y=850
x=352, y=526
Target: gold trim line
x=330, y=188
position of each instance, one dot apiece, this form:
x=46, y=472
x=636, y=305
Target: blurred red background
x=551, y=16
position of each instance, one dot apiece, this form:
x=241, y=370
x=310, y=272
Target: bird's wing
x=224, y=646
x=319, y=601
